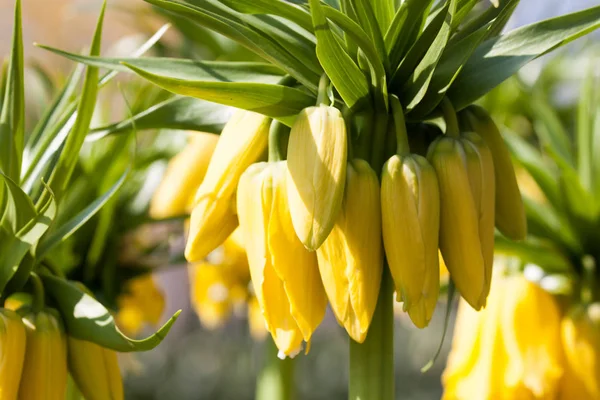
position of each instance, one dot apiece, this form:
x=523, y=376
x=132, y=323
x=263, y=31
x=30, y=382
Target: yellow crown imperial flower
x=45, y=366
x=580, y=334
x=316, y=172
x=95, y=370
x=351, y=258
x=510, y=350
x=242, y=143
x=12, y=353
x=460, y=242
x=410, y=207
x=284, y=274
x=175, y=194
x=510, y=212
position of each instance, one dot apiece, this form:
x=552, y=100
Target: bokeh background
x=195, y=363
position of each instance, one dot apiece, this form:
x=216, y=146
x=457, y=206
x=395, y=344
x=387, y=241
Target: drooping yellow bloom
x=460, y=243
x=95, y=370
x=284, y=274
x=242, y=143
x=12, y=353
x=141, y=303
x=175, y=194
x=410, y=208
x=45, y=366
x=508, y=351
x=580, y=334
x=351, y=258
x=316, y=172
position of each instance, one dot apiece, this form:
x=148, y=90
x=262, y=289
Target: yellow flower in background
x=242, y=143
x=580, y=334
x=284, y=273
x=175, y=194
x=141, y=303
x=508, y=351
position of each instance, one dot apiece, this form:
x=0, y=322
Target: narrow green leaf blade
x=284, y=9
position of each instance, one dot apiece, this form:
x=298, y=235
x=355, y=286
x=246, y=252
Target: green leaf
x=284, y=9
x=585, y=116
x=542, y=253
x=280, y=102
x=420, y=47
x=595, y=147
x=497, y=59
x=248, y=37
x=14, y=246
x=499, y=15
x=368, y=20
x=415, y=88
x=12, y=116
x=87, y=319
x=63, y=232
x=550, y=130
x=463, y=9
x=405, y=28
x=18, y=209
x=384, y=11
x=544, y=222
x=185, y=113
x=70, y=153
x=346, y=76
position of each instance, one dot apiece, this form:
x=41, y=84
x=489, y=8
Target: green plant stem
x=452, y=128
x=322, y=97
x=276, y=378
x=380, y=131
x=400, y=126
x=39, y=293
x=372, y=362
x=276, y=132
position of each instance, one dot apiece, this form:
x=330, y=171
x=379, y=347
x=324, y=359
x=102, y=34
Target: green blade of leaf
x=184, y=113
x=550, y=129
x=87, y=319
x=12, y=116
x=368, y=20
x=384, y=11
x=501, y=13
x=585, y=116
x=542, y=253
x=345, y=75
x=280, y=102
x=284, y=9
x=497, y=59
x=463, y=9
x=17, y=209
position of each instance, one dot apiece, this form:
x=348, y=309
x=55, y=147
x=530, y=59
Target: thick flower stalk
x=580, y=334
x=510, y=350
x=316, y=165
x=242, y=142
x=185, y=172
x=45, y=366
x=284, y=274
x=351, y=258
x=12, y=353
x=95, y=370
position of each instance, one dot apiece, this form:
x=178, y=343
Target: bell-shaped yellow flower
x=410, y=207
x=508, y=351
x=12, y=353
x=45, y=366
x=316, y=172
x=242, y=143
x=175, y=194
x=284, y=274
x=580, y=334
x=95, y=370
x=460, y=242
x=351, y=258
x=141, y=303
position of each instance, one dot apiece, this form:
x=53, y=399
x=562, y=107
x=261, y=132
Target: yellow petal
x=211, y=293
x=12, y=353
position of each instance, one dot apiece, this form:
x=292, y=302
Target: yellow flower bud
x=351, y=258
x=12, y=353
x=45, y=366
x=410, y=207
x=17, y=300
x=510, y=350
x=242, y=142
x=510, y=212
x=316, y=172
x=175, y=194
x=95, y=370
x=284, y=274
x=580, y=333
x=459, y=220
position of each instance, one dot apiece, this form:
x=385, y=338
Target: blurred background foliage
x=122, y=241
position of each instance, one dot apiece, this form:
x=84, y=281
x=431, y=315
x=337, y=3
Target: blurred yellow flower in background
x=508, y=351
x=141, y=303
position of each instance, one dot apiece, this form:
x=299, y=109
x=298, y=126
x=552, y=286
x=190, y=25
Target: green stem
x=372, y=362
x=39, y=293
x=452, y=128
x=276, y=132
x=322, y=97
x=378, y=149
x=276, y=379
x=400, y=125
